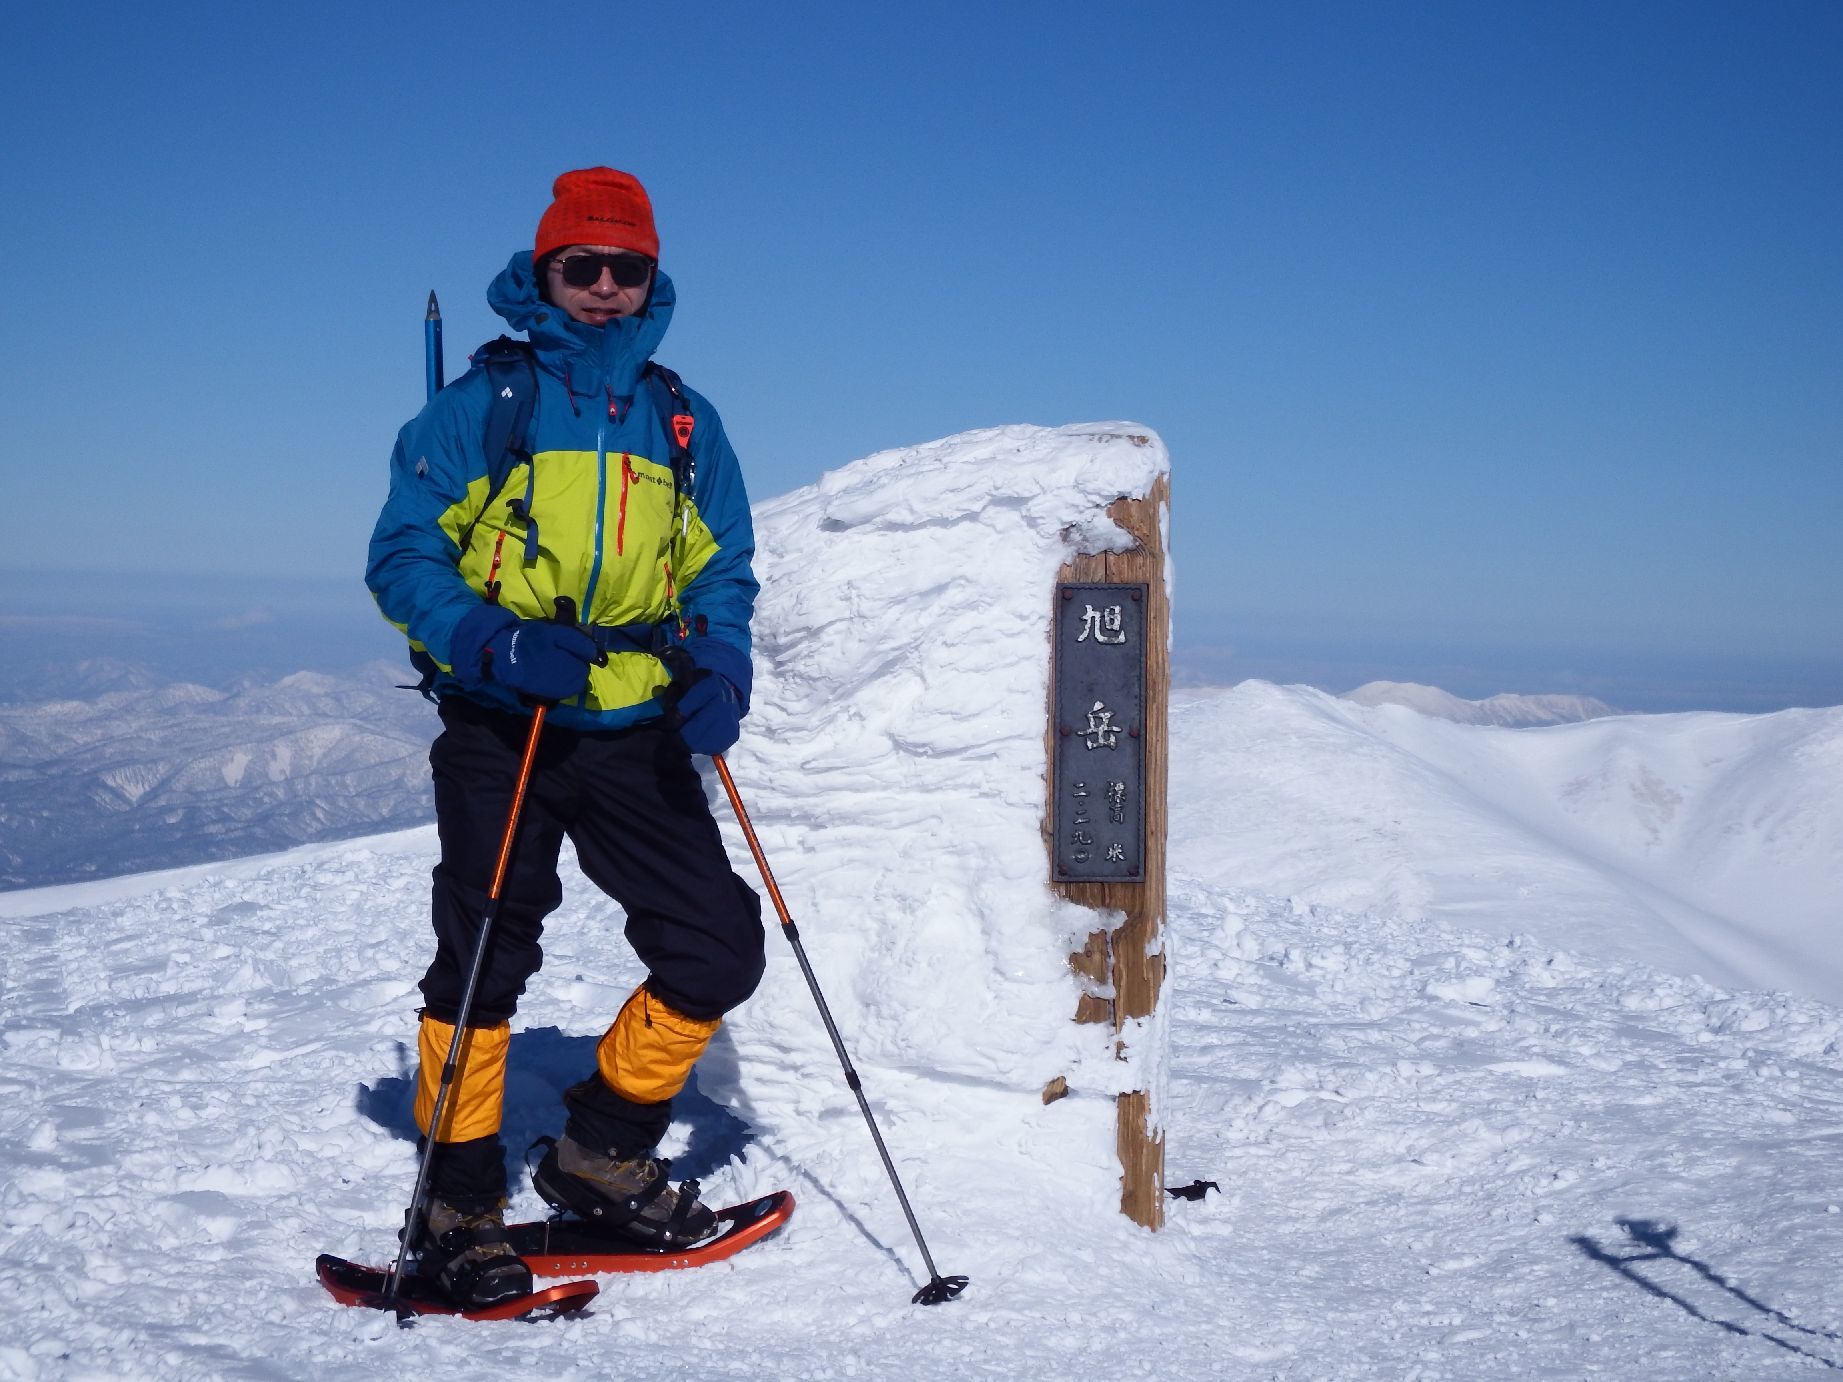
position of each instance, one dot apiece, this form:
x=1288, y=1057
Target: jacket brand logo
x=506, y=392
x=422, y=468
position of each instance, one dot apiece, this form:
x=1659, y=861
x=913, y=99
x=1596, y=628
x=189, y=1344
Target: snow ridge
x=1510, y=711
x=1699, y=843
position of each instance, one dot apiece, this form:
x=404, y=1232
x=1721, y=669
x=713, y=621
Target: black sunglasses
x=585, y=270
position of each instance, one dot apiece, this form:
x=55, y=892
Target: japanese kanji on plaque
x=1099, y=733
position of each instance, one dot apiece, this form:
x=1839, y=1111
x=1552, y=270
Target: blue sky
x=1495, y=345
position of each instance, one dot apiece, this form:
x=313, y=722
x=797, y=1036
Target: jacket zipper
x=620, y=527
x=601, y=501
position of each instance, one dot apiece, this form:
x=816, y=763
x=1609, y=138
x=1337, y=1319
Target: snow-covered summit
x=1461, y=1124
x=1506, y=709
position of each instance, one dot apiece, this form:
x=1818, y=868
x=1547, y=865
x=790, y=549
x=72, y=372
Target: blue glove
x=535, y=657
x=716, y=695
x=709, y=713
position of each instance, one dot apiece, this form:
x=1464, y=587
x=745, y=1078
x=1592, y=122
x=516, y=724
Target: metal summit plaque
x=1098, y=730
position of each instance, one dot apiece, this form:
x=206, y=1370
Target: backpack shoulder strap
x=512, y=376
x=675, y=412
x=511, y=368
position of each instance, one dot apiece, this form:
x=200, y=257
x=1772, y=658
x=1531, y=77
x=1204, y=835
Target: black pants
x=633, y=805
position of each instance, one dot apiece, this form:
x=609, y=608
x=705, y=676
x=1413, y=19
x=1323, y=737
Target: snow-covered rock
x=1506, y=709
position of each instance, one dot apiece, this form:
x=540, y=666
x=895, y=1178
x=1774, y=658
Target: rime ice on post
x=1105, y=822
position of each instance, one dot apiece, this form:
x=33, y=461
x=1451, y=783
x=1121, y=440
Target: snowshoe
x=567, y=1246
x=352, y=1283
x=626, y=1196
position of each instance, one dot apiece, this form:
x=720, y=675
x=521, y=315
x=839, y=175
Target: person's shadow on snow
x=1656, y=1243
x=541, y=1064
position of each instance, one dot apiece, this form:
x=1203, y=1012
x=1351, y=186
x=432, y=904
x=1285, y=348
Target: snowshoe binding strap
x=569, y=1195
x=474, y=1265
x=677, y=1229
x=486, y=1280
x=688, y=1223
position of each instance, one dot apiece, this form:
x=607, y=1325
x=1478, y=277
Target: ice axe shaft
x=939, y=1288
x=432, y=347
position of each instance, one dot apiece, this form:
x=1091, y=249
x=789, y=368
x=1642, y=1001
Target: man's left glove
x=715, y=695
x=539, y=658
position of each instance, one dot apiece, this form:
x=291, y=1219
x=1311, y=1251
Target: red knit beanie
x=597, y=206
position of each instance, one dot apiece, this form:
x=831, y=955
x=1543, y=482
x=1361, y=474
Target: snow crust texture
x=1461, y=1126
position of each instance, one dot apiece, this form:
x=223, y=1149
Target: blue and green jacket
x=600, y=493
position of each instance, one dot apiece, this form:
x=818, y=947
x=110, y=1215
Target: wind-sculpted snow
x=896, y=748
x=1449, y=1143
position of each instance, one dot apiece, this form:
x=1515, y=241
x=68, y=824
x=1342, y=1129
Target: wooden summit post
x=1110, y=683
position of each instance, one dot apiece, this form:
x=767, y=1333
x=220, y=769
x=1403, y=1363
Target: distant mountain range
x=1512, y=712
x=157, y=776
x=132, y=774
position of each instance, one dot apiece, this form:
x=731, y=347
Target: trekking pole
x=432, y=346
x=939, y=1288
x=419, y=1200
x=566, y=614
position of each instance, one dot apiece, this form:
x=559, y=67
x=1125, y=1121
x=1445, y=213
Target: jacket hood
x=593, y=358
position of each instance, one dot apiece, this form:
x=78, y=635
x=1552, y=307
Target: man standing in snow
x=484, y=567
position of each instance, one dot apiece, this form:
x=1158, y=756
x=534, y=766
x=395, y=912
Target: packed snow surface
x=1470, y=1112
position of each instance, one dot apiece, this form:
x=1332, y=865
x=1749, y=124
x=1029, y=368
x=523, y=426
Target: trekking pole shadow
x=1656, y=1242
x=824, y=1192
x=390, y=1102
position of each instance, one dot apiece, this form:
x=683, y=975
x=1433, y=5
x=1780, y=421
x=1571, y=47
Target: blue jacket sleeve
x=719, y=599
x=413, y=565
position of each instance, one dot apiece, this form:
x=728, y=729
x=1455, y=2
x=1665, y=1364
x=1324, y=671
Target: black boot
x=468, y=1254
x=629, y=1196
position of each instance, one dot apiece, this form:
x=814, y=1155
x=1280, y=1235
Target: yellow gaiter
x=648, y=1053
x=479, y=1093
